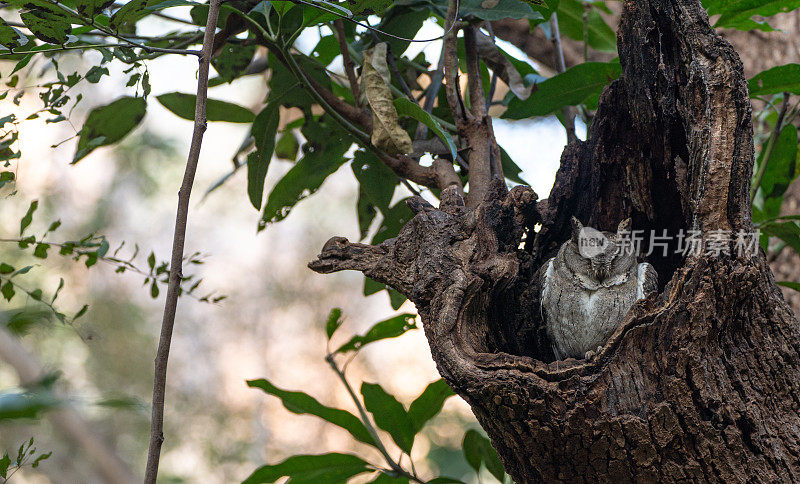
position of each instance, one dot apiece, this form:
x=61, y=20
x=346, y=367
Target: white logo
x=591, y=242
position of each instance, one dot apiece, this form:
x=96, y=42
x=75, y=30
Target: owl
x=589, y=286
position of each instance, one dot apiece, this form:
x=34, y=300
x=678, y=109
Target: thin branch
x=111, y=33
x=776, y=131
x=367, y=26
x=558, y=52
x=393, y=67
x=95, y=46
x=173, y=19
x=347, y=61
x=452, y=87
x=431, y=94
x=394, y=465
x=176, y=265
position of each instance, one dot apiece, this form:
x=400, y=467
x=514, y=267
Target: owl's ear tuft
x=577, y=226
x=624, y=226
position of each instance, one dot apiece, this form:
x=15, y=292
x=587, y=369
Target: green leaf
x=90, y=8
x=40, y=251
x=403, y=22
x=477, y=450
x=790, y=285
x=95, y=73
x=395, y=298
x=780, y=169
x=393, y=220
x=7, y=290
x=81, y=312
x=232, y=60
x=374, y=6
x=382, y=478
x=334, y=321
x=405, y=107
x=389, y=415
x=389, y=328
x=263, y=131
x=40, y=458
x=497, y=9
x=302, y=403
x=570, y=23
x=47, y=25
x=325, y=156
x=377, y=181
x=129, y=13
x=109, y=124
x=429, y=403
x=510, y=169
x=326, y=50
x=24, y=270
x=284, y=84
x=6, y=268
x=366, y=212
x=788, y=232
x=11, y=37
x=183, y=105
x=785, y=78
x=286, y=147
x=311, y=469
x=569, y=88
x=5, y=461
x=734, y=13
x=28, y=218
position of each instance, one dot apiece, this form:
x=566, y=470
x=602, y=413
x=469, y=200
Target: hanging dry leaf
x=493, y=58
x=387, y=134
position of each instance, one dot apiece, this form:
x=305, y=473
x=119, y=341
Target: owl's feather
x=648, y=280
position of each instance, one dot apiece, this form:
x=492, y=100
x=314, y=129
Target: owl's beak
x=600, y=273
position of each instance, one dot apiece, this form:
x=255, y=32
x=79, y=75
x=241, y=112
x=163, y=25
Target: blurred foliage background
x=258, y=311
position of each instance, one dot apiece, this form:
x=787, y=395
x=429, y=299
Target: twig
x=368, y=424
x=176, y=265
x=558, y=52
x=776, y=131
x=111, y=33
x=95, y=46
x=452, y=87
x=431, y=94
x=367, y=26
x=347, y=61
x=393, y=67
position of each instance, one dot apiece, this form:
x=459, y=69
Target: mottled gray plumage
x=585, y=298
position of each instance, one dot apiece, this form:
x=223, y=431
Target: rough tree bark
x=701, y=382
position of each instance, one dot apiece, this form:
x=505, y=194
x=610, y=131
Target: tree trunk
x=701, y=381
